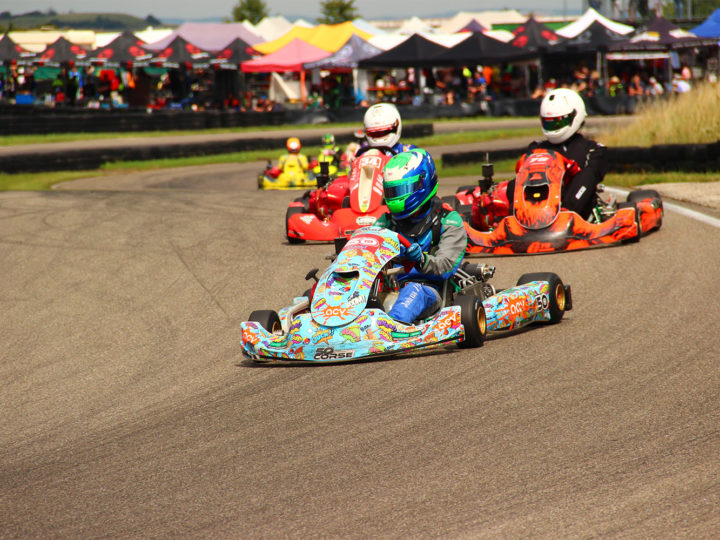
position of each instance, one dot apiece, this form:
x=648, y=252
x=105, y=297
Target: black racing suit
x=591, y=156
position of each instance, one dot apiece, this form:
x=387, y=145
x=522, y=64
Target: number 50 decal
x=542, y=301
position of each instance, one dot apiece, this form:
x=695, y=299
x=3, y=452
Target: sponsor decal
x=307, y=219
x=517, y=307
x=355, y=300
x=405, y=335
x=363, y=241
x=336, y=311
x=365, y=221
x=328, y=353
x=580, y=192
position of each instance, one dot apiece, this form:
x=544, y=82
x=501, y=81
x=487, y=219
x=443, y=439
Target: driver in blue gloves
x=436, y=231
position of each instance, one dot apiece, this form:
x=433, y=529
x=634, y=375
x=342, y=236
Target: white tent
x=586, y=19
x=414, y=25
x=271, y=28
x=486, y=18
x=38, y=40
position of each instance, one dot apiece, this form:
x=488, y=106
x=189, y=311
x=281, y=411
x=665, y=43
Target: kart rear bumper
x=568, y=232
x=286, y=181
x=373, y=333
x=343, y=222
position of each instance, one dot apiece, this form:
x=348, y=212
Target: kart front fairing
x=339, y=325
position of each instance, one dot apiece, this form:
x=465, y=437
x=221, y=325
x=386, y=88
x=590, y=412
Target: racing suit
x=293, y=162
x=579, y=191
x=442, y=237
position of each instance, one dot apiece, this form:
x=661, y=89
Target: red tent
x=291, y=57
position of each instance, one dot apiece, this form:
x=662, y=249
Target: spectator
x=680, y=85
x=615, y=87
x=636, y=86
x=654, y=88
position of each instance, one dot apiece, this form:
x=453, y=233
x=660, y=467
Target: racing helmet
x=328, y=140
x=410, y=181
x=293, y=145
x=562, y=114
x=383, y=125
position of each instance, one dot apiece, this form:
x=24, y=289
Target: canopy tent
x=414, y=25
x=38, y=40
x=329, y=37
x=580, y=26
x=662, y=35
x=485, y=18
x=479, y=48
x=127, y=48
x=12, y=52
x=289, y=58
x=61, y=51
x=365, y=26
x=534, y=35
x=208, y=36
x=348, y=56
x=415, y=51
x=233, y=55
x=473, y=26
x=271, y=27
x=180, y=52
x=710, y=27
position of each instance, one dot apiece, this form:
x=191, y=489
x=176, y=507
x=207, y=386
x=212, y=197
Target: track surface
x=127, y=410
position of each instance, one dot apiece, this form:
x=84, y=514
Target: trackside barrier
x=665, y=157
x=93, y=158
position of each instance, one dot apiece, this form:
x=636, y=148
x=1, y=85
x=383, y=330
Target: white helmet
x=562, y=113
x=382, y=125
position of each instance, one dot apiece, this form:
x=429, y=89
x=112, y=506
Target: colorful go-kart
x=344, y=316
x=538, y=223
x=293, y=176
x=339, y=207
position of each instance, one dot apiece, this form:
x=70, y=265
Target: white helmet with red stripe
x=383, y=125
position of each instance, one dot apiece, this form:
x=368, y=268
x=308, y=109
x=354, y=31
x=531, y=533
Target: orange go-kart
x=344, y=204
x=536, y=221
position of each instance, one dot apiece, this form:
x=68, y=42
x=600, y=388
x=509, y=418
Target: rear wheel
x=291, y=211
x=472, y=317
x=559, y=301
x=268, y=319
x=465, y=188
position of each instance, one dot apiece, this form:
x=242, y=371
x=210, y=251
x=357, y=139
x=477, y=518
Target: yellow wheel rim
x=560, y=296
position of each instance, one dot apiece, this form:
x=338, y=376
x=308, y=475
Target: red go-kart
x=340, y=206
x=537, y=223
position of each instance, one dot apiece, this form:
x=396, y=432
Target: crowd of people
x=199, y=89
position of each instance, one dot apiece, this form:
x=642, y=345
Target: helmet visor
x=403, y=188
x=554, y=123
x=380, y=131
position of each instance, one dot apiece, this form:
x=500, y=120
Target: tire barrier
x=93, y=158
x=660, y=158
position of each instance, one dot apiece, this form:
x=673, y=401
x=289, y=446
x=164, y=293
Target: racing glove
x=415, y=253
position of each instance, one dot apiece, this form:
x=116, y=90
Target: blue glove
x=414, y=253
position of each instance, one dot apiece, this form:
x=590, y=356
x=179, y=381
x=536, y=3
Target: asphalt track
x=128, y=411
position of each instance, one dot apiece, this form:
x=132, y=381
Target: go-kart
x=537, y=223
x=340, y=206
x=291, y=177
x=344, y=315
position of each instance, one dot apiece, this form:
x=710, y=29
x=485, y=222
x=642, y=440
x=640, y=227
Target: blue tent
x=710, y=27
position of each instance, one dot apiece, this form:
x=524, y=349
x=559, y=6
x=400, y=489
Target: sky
x=292, y=9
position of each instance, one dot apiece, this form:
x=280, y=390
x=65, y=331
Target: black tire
x=346, y=202
x=559, y=302
x=465, y=188
x=465, y=211
x=472, y=317
x=641, y=194
x=631, y=204
x=291, y=211
x=305, y=200
x=268, y=319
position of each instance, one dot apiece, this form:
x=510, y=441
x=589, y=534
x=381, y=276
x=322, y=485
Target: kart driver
x=562, y=114
x=383, y=127
x=293, y=160
x=436, y=232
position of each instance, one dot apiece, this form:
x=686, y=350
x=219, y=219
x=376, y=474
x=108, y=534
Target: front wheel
x=559, y=297
x=268, y=319
x=291, y=211
x=472, y=317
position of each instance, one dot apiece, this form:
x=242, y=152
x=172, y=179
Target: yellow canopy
x=329, y=37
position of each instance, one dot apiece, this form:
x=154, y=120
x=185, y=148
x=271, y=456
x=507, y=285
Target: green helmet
x=328, y=139
x=410, y=181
